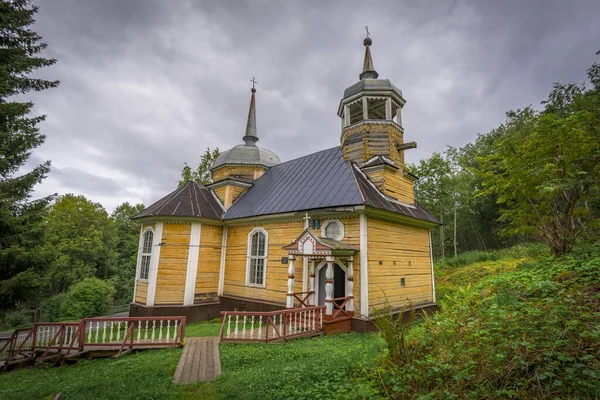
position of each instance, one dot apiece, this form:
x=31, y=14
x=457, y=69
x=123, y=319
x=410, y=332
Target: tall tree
x=20, y=217
x=202, y=173
x=546, y=166
x=83, y=239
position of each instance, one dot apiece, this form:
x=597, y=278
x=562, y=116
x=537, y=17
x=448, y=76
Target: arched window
x=146, y=254
x=333, y=229
x=257, y=257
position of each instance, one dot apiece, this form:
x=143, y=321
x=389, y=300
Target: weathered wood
x=200, y=361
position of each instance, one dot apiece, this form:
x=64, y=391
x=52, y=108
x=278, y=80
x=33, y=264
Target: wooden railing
x=339, y=307
x=62, y=338
x=270, y=326
x=303, y=299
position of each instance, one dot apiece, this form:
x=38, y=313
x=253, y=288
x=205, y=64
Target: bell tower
x=372, y=133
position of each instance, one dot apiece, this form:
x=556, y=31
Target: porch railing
x=303, y=299
x=289, y=323
x=53, y=338
x=339, y=307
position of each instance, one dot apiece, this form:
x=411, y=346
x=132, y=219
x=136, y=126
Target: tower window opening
x=376, y=108
x=356, y=112
x=396, y=113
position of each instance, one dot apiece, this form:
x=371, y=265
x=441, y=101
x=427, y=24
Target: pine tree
x=20, y=216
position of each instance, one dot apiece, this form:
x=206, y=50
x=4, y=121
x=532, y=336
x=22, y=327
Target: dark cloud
x=147, y=85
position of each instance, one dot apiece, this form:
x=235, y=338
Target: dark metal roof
x=190, y=200
x=318, y=180
x=374, y=198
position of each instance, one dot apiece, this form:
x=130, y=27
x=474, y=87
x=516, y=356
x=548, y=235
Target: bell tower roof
x=368, y=67
x=370, y=86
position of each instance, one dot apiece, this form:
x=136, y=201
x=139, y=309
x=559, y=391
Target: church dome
x=243, y=154
x=248, y=153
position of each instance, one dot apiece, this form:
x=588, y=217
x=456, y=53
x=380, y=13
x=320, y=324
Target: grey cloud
x=148, y=85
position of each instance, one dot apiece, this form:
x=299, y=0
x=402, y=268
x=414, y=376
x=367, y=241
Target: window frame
x=326, y=223
x=143, y=254
x=250, y=257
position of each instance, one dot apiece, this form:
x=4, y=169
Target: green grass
x=322, y=367
x=523, y=326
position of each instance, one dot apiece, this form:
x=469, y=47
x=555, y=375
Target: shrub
x=16, y=319
x=89, y=298
x=52, y=308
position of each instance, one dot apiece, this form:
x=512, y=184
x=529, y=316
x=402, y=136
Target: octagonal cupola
x=372, y=133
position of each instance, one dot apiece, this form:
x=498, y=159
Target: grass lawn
x=322, y=367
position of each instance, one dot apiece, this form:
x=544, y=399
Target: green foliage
x=16, y=318
x=202, y=173
x=82, y=239
x=91, y=297
x=52, y=308
x=530, y=330
x=394, y=330
x=21, y=228
x=545, y=168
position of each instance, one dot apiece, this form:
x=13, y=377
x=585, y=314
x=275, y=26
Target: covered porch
x=326, y=307
x=330, y=275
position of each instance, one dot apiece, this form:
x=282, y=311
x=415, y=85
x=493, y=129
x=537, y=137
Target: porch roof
x=308, y=244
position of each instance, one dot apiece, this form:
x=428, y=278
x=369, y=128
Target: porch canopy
x=315, y=248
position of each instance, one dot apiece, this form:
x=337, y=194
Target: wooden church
x=338, y=228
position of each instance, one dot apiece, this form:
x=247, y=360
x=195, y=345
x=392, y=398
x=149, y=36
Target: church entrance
x=339, y=283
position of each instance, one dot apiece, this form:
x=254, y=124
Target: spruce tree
x=20, y=217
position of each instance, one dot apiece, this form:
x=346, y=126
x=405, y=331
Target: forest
x=533, y=178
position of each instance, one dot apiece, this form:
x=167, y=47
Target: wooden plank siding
x=245, y=171
x=141, y=292
x=207, y=277
x=280, y=234
x=172, y=265
x=408, y=247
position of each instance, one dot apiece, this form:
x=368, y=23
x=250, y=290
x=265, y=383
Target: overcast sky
x=148, y=85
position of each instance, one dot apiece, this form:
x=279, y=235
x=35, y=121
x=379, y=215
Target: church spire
x=251, y=138
x=368, y=67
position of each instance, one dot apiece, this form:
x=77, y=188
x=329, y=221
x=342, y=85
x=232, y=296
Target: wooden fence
x=290, y=323
x=64, y=338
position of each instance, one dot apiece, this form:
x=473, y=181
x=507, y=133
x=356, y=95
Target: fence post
x=81, y=334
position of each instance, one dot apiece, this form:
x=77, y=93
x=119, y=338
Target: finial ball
x=367, y=41
x=253, y=90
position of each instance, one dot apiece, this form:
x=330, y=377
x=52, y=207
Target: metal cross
x=306, y=219
x=367, y=29
x=253, y=82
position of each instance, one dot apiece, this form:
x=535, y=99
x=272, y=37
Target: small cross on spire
x=367, y=29
x=254, y=82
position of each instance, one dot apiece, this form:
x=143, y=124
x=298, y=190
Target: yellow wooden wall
x=245, y=171
x=393, y=184
x=209, y=260
x=172, y=264
x=391, y=242
x=141, y=292
x=229, y=194
x=280, y=234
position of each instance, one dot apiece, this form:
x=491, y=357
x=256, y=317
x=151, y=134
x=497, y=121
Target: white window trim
x=142, y=254
x=266, y=256
x=333, y=221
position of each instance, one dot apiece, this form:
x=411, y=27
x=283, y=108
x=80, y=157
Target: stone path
x=200, y=361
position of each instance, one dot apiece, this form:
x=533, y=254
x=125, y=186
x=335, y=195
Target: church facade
x=338, y=228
